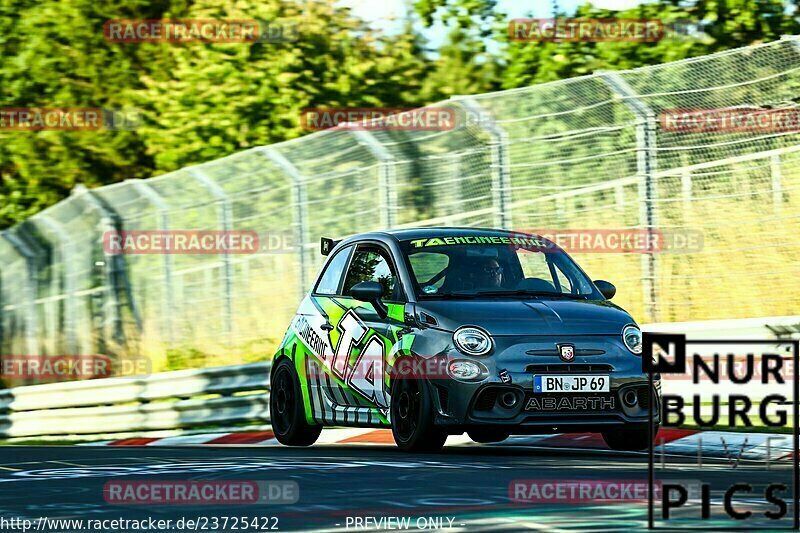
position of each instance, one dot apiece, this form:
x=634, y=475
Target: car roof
x=441, y=231
x=406, y=234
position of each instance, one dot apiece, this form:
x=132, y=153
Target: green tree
x=54, y=55
x=464, y=63
x=723, y=24
x=200, y=101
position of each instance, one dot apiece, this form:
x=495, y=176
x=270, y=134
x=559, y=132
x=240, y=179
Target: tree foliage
x=712, y=26
x=201, y=101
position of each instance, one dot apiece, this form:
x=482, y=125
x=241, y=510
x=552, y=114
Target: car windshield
x=490, y=266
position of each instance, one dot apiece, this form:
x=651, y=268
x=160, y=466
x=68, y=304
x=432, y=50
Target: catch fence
x=588, y=153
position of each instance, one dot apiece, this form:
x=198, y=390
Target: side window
x=564, y=280
x=427, y=266
x=329, y=282
x=537, y=273
x=534, y=265
x=369, y=264
x=572, y=279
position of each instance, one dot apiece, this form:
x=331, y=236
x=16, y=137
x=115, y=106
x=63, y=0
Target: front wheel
x=412, y=417
x=635, y=438
x=286, y=409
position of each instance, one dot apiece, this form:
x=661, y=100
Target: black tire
x=412, y=417
x=634, y=438
x=286, y=408
x=488, y=435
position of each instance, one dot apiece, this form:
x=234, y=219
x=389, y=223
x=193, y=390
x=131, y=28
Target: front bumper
x=505, y=399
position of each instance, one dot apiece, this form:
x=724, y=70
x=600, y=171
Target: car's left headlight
x=472, y=341
x=632, y=337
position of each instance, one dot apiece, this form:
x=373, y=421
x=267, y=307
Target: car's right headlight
x=632, y=337
x=472, y=341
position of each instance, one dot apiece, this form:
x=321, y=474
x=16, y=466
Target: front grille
x=486, y=399
x=643, y=393
x=579, y=352
x=570, y=368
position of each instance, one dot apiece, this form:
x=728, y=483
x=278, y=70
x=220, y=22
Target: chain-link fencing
x=590, y=153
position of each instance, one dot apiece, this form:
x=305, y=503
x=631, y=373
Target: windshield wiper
x=523, y=292
x=458, y=295
x=447, y=296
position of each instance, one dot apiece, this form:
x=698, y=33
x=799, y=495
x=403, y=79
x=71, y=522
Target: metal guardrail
x=169, y=400
x=777, y=327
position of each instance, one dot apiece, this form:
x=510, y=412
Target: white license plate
x=571, y=383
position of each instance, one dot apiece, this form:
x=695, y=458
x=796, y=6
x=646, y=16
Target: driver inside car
x=488, y=274
x=493, y=274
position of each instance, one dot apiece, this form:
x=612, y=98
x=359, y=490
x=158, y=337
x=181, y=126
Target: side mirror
x=372, y=292
x=606, y=289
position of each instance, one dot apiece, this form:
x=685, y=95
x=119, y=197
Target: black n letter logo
x=663, y=353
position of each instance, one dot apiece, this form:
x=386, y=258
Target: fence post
x=501, y=170
x=686, y=190
x=109, y=222
x=300, y=204
x=777, y=182
x=225, y=217
x=457, y=175
x=68, y=261
x=29, y=290
x=386, y=178
x=775, y=163
x=152, y=196
x=793, y=39
x=619, y=198
x=645, y=169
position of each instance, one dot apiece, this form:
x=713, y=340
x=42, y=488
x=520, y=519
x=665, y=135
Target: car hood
x=530, y=317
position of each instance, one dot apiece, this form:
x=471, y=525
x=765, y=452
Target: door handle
x=326, y=326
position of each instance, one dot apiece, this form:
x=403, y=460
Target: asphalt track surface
x=468, y=485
